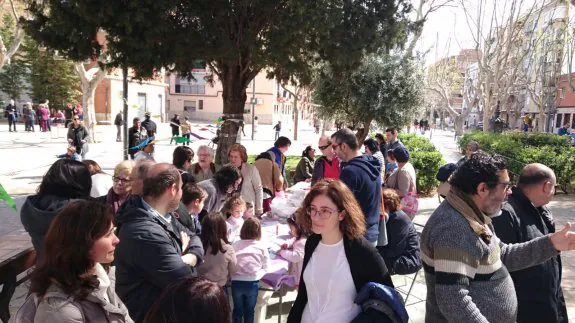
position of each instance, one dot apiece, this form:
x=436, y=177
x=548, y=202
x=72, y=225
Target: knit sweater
x=467, y=279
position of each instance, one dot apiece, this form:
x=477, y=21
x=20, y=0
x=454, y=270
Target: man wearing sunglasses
x=525, y=217
x=327, y=166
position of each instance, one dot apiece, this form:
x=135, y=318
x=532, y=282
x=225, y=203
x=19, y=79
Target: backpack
x=27, y=312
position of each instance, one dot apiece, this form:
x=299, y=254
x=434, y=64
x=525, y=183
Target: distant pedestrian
x=12, y=114
x=175, y=125
x=68, y=113
x=186, y=130
x=242, y=124
x=277, y=128
x=78, y=136
x=136, y=135
x=44, y=117
x=118, y=122
x=149, y=125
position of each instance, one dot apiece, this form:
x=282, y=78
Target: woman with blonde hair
x=251, y=190
x=338, y=261
x=122, y=185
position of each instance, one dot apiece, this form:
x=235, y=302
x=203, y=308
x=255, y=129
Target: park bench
x=17, y=255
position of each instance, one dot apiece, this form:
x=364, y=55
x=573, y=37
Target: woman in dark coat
x=338, y=261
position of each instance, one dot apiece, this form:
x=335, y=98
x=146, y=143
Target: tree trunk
x=542, y=126
x=362, y=133
x=458, y=124
x=234, y=95
x=89, y=83
x=296, y=118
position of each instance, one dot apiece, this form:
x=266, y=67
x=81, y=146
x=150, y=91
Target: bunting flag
x=7, y=198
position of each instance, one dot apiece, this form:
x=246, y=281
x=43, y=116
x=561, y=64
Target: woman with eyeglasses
x=338, y=261
x=78, y=136
x=326, y=166
x=121, y=187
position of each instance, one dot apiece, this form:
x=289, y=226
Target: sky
x=446, y=31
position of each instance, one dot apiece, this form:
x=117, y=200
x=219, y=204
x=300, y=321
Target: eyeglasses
x=121, y=180
x=322, y=213
x=324, y=147
x=335, y=146
x=507, y=185
x=76, y=119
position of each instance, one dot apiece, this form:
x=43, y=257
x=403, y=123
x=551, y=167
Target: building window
x=142, y=101
x=201, y=104
x=190, y=106
x=567, y=119
x=558, y=121
x=197, y=85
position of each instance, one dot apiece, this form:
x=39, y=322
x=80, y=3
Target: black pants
x=186, y=143
x=11, y=121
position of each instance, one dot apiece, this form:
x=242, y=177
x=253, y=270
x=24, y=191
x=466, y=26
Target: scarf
x=467, y=208
x=114, y=200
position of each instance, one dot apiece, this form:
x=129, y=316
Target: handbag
x=410, y=201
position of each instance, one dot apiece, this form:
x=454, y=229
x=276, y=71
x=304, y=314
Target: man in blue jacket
x=361, y=173
x=156, y=251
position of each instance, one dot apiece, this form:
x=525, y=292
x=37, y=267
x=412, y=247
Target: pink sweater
x=252, y=260
x=294, y=254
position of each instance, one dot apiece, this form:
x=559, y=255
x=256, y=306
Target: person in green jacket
x=304, y=169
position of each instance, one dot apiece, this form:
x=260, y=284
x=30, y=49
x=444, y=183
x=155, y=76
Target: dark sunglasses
x=324, y=147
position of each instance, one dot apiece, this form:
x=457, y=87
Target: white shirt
x=330, y=288
x=101, y=184
x=234, y=227
x=142, y=155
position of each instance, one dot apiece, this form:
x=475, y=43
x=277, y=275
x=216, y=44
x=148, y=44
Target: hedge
x=525, y=148
x=425, y=159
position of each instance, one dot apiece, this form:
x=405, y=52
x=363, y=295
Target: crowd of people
x=40, y=114
x=180, y=242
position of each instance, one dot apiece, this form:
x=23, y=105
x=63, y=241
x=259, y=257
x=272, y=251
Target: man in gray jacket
x=466, y=265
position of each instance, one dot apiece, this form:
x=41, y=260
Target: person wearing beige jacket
x=251, y=190
x=270, y=175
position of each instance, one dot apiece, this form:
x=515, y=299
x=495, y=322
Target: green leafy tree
x=51, y=77
x=236, y=39
x=383, y=89
x=12, y=75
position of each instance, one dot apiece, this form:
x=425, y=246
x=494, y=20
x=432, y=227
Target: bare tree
x=422, y=11
x=89, y=80
x=6, y=53
x=499, y=33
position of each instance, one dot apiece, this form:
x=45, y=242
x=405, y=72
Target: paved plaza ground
x=26, y=157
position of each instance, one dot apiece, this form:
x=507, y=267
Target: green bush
x=526, y=148
x=425, y=159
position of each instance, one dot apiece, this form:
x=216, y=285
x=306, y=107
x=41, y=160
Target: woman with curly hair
x=338, y=261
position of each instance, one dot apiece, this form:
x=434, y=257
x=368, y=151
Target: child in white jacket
x=234, y=208
x=293, y=251
x=252, y=263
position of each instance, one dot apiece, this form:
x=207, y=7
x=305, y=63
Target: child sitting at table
x=253, y=262
x=193, y=198
x=220, y=259
x=293, y=250
x=234, y=208
x=249, y=212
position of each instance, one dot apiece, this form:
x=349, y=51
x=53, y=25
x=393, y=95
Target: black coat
x=77, y=135
x=135, y=137
x=538, y=288
x=119, y=120
x=150, y=127
x=148, y=259
x=402, y=254
x=365, y=264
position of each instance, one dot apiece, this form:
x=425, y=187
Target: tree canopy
x=385, y=89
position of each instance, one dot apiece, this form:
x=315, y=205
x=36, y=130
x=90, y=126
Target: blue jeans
x=245, y=296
